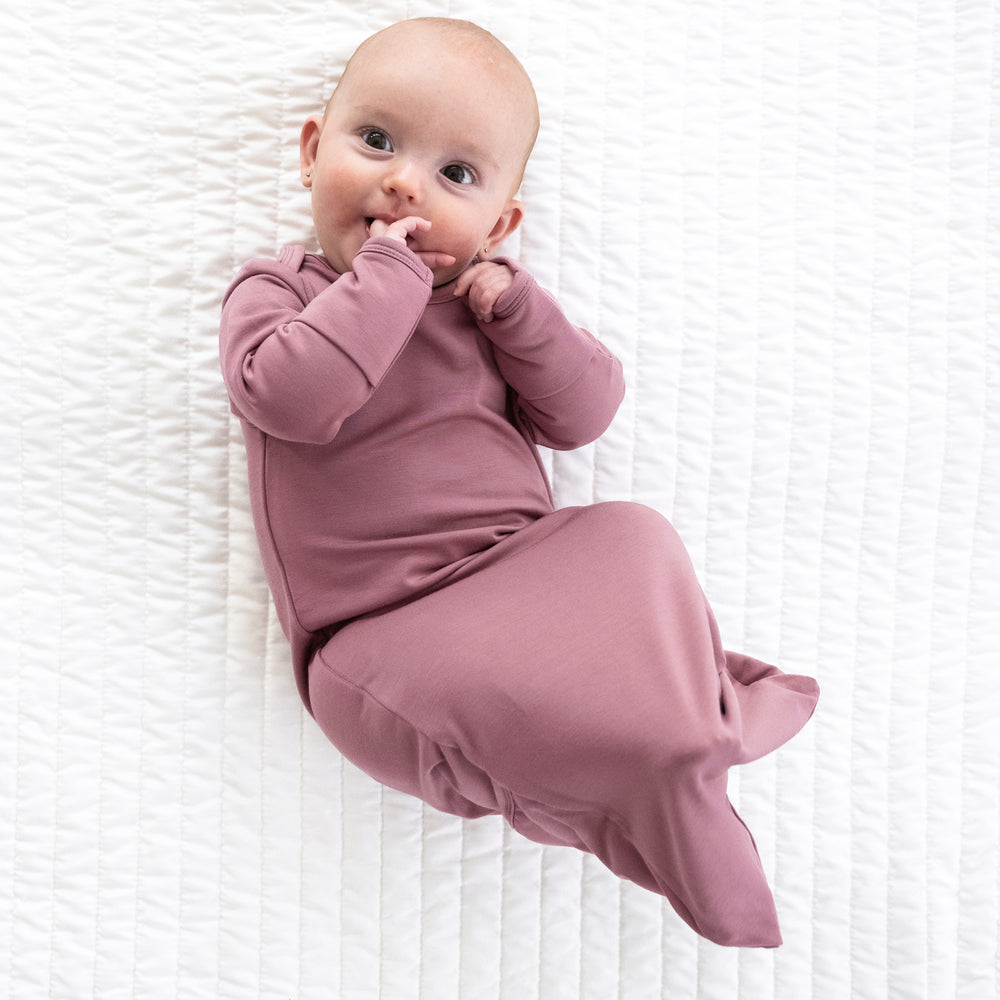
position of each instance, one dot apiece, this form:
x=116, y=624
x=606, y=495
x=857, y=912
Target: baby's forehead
x=435, y=82
x=451, y=52
x=457, y=49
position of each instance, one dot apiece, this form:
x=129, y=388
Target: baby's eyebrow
x=372, y=111
x=476, y=155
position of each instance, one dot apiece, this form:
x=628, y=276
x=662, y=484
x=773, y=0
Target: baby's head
x=432, y=118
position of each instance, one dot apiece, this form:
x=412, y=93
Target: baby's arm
x=296, y=368
x=569, y=386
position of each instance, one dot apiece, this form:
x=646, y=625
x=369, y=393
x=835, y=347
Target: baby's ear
x=507, y=223
x=308, y=146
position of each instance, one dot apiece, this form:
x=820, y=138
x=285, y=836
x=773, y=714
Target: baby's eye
x=377, y=139
x=458, y=174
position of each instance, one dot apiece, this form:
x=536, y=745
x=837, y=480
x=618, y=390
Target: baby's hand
x=484, y=283
x=401, y=229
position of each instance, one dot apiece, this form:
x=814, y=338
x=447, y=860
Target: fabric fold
x=572, y=679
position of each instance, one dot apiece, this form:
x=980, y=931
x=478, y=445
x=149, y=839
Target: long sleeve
x=569, y=386
x=295, y=368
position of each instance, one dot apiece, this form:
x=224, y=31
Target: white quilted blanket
x=785, y=217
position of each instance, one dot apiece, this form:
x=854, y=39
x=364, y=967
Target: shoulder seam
x=292, y=256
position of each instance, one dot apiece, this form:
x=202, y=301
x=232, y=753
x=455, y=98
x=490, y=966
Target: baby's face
x=417, y=130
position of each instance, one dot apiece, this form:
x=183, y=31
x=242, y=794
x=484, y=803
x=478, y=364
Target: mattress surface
x=785, y=219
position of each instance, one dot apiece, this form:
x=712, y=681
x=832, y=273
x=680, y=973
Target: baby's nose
x=403, y=179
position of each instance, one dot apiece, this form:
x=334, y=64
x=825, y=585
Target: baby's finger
x=399, y=229
x=482, y=298
x=402, y=228
x=473, y=280
x=465, y=280
x=435, y=258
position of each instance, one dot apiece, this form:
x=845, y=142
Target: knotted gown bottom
x=572, y=679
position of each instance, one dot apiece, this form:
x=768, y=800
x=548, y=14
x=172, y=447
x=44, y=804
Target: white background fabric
x=785, y=217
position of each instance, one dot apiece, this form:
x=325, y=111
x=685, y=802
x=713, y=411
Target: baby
x=454, y=634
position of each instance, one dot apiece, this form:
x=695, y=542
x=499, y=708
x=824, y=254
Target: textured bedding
x=785, y=219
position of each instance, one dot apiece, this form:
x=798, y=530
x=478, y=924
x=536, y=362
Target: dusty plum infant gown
x=452, y=633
